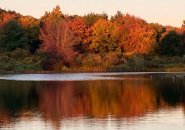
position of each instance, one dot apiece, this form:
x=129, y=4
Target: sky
x=166, y=12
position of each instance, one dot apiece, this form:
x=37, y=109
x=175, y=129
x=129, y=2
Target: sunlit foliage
x=136, y=36
x=104, y=36
x=91, y=41
x=57, y=40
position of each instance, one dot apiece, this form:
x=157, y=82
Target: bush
x=92, y=60
x=20, y=60
x=136, y=63
x=112, y=59
x=154, y=62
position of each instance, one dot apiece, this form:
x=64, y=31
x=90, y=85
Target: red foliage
x=78, y=27
x=58, y=41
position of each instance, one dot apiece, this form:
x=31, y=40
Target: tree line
x=93, y=42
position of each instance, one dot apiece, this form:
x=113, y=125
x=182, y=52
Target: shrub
x=136, y=63
x=92, y=60
x=20, y=60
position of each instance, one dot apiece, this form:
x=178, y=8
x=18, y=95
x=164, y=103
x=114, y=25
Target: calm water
x=112, y=101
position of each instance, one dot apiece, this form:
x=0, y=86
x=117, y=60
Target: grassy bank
x=21, y=61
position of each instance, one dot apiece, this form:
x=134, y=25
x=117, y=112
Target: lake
x=92, y=101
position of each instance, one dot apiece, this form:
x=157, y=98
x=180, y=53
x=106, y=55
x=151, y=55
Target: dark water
x=134, y=102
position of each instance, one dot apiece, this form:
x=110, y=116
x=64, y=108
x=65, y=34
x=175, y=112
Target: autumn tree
x=54, y=16
x=136, y=36
x=104, y=36
x=57, y=40
x=80, y=31
x=6, y=16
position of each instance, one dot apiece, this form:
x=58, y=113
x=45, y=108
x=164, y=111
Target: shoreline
x=156, y=71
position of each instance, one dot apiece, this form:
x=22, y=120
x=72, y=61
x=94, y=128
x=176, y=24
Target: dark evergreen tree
x=171, y=45
x=12, y=36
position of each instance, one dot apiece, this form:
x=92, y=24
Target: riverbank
x=165, y=70
x=137, y=63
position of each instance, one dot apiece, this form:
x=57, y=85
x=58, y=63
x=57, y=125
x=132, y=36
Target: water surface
x=109, y=101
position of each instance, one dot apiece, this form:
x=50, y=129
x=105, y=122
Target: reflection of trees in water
x=170, y=92
x=96, y=99
x=99, y=99
x=16, y=98
x=121, y=99
x=59, y=99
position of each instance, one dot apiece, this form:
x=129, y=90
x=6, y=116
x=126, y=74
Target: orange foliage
x=78, y=27
x=63, y=35
x=27, y=21
x=97, y=99
x=5, y=17
x=103, y=36
x=54, y=16
x=136, y=36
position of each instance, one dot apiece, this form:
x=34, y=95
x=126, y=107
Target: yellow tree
x=104, y=36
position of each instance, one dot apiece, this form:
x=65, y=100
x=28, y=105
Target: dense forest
x=93, y=42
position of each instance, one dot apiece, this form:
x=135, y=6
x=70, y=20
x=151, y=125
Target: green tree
x=12, y=36
x=171, y=45
x=32, y=29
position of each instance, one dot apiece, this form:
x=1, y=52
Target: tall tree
x=54, y=16
x=58, y=40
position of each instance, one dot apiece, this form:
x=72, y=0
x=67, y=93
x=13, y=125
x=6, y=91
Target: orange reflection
x=97, y=99
x=92, y=99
